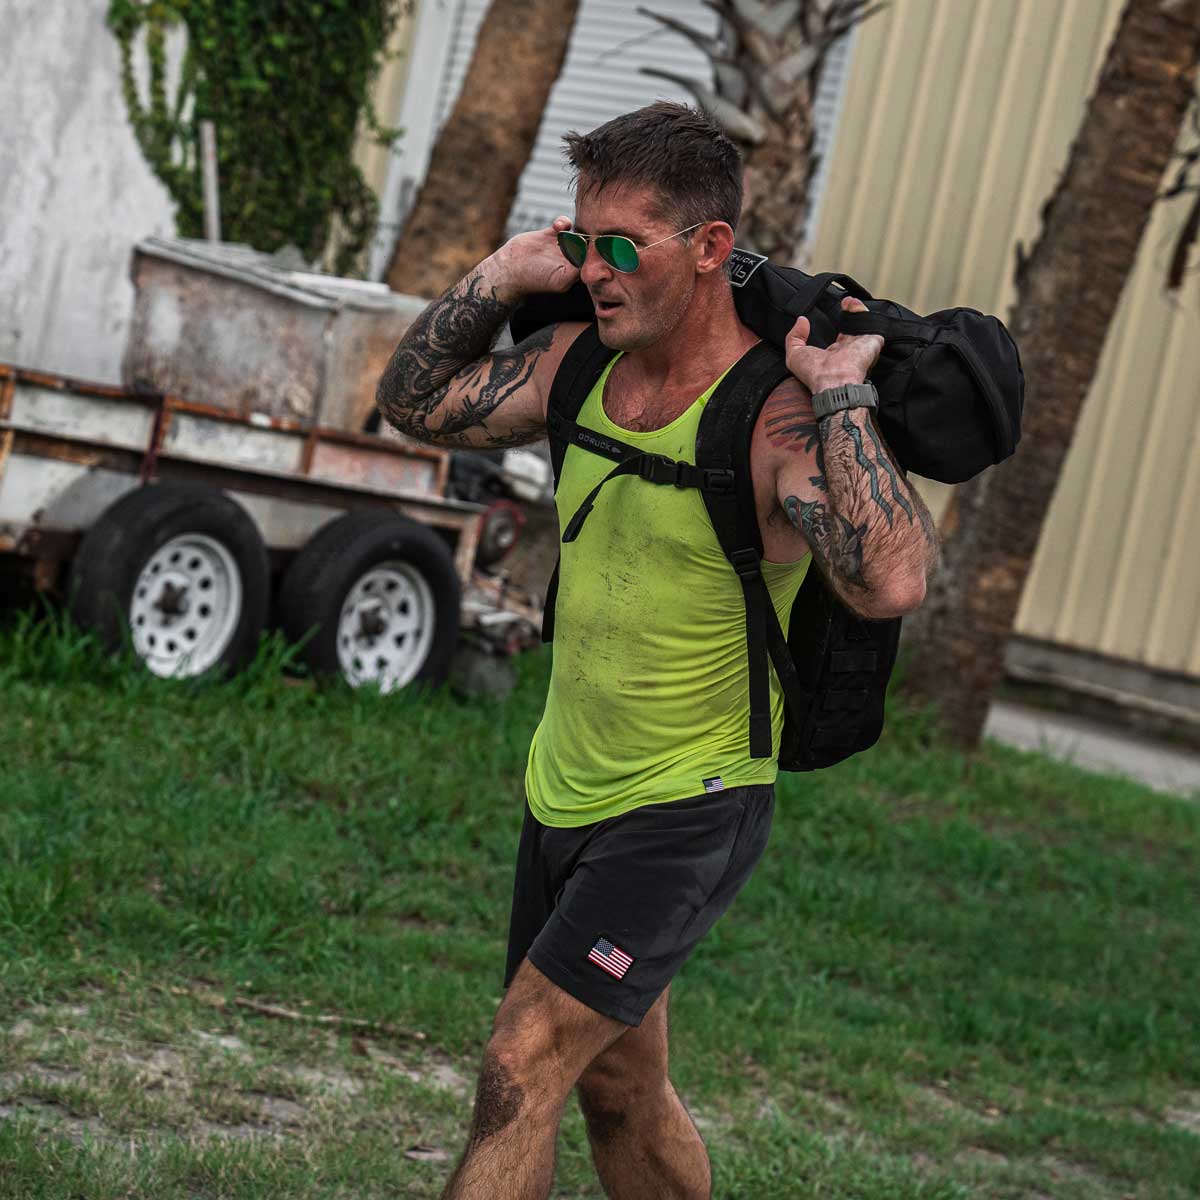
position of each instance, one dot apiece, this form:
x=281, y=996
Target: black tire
x=124, y=542
x=368, y=545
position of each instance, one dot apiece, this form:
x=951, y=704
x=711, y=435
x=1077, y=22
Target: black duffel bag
x=950, y=385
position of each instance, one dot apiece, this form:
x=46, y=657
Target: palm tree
x=767, y=58
x=1067, y=292
x=461, y=210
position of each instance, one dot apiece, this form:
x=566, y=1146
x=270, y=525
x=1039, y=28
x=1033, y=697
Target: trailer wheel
x=184, y=569
x=380, y=597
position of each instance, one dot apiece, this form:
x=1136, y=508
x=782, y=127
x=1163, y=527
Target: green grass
x=951, y=976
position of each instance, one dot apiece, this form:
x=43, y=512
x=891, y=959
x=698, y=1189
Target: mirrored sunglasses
x=619, y=252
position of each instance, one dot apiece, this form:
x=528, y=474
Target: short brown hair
x=674, y=148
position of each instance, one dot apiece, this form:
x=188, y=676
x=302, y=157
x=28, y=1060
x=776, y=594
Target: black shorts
x=610, y=911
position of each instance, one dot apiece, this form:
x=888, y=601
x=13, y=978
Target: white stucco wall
x=75, y=191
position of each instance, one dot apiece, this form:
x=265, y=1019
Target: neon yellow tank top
x=648, y=698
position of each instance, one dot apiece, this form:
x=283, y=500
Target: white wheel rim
x=386, y=627
x=186, y=605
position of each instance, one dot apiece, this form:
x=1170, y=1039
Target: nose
x=594, y=269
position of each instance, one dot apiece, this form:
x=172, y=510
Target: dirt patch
x=159, y=1066
x=431, y=1067
x=203, y=1130
x=178, y=1095
x=1185, y=1115
x=973, y=1156
x=38, y=1073
x=223, y=1041
x=334, y=1083
x=1062, y=1168
x=279, y=1110
x=56, y=1117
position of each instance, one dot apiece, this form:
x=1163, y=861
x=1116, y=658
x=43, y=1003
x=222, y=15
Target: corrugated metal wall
x=956, y=123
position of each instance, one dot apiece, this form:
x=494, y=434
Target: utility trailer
x=188, y=527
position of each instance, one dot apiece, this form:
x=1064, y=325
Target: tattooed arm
x=869, y=531
x=444, y=384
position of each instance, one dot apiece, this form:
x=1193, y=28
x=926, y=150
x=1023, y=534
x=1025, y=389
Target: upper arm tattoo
x=790, y=423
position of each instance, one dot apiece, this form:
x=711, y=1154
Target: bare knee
x=499, y=1098
x=540, y=1041
x=610, y=1091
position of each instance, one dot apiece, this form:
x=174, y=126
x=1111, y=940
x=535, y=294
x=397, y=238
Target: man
x=645, y=813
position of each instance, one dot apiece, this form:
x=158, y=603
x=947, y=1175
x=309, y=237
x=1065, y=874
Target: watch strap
x=845, y=395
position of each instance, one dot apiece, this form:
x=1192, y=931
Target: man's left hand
x=847, y=361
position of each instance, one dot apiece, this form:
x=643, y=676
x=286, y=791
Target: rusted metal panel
x=286, y=525
x=360, y=344
x=108, y=420
x=354, y=466
x=8, y=383
x=228, y=327
x=229, y=443
x=85, y=387
x=200, y=334
x=468, y=542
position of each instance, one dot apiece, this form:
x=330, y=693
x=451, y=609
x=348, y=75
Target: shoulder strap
x=581, y=366
x=723, y=442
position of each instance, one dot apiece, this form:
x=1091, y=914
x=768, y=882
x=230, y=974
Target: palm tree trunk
x=1067, y=292
x=767, y=58
x=460, y=213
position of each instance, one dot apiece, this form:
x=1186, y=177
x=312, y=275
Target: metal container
x=237, y=329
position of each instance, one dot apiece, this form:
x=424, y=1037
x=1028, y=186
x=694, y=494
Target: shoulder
x=786, y=416
x=542, y=352
x=547, y=346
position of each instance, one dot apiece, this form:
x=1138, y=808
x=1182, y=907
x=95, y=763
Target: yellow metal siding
x=956, y=125
x=387, y=94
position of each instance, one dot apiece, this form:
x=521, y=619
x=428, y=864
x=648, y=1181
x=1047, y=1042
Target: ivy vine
x=284, y=82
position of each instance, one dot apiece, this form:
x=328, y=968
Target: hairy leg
x=541, y=1041
x=644, y=1144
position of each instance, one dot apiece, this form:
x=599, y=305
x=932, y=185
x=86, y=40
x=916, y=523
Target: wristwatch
x=845, y=395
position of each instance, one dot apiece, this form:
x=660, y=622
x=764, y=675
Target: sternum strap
x=652, y=468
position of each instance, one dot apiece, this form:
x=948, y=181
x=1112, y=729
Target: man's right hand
x=532, y=262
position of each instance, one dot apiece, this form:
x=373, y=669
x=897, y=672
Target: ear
x=714, y=242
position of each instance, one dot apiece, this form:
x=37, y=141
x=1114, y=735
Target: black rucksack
x=951, y=390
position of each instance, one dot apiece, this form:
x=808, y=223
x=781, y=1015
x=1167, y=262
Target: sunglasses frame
x=603, y=242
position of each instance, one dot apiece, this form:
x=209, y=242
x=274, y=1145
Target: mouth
x=605, y=308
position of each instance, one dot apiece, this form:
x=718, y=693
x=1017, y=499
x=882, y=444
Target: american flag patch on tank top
x=610, y=958
x=715, y=784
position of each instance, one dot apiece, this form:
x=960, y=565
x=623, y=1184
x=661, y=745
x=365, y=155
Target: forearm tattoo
x=446, y=349
x=870, y=522
x=836, y=544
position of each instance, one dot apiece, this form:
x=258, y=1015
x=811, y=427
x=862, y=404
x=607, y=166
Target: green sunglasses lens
x=574, y=248
x=618, y=252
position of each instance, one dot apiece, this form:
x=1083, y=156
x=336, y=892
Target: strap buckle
x=745, y=563
x=658, y=468
x=718, y=479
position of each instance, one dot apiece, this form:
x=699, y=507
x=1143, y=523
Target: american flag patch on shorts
x=609, y=958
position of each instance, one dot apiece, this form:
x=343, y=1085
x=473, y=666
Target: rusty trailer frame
x=70, y=448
